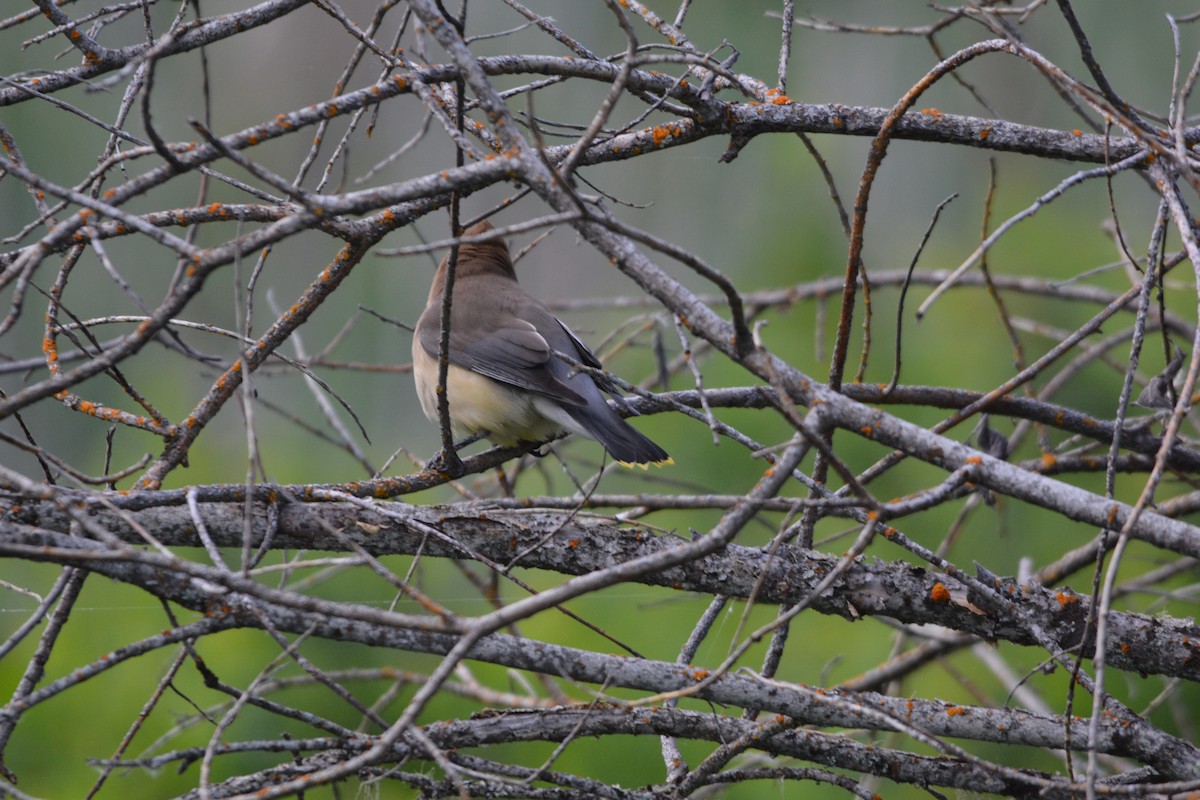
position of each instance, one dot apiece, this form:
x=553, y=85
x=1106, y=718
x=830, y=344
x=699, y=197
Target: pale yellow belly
x=478, y=404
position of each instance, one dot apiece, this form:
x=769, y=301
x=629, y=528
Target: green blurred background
x=765, y=220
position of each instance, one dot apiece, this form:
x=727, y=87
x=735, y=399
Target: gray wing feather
x=513, y=351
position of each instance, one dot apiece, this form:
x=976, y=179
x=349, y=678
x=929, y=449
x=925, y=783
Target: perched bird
x=504, y=378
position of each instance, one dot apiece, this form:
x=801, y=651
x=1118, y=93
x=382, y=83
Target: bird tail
x=622, y=441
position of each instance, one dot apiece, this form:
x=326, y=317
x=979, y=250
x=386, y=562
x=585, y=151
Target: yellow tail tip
x=668, y=461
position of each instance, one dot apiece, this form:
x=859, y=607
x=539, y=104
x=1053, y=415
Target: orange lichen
x=939, y=593
x=1065, y=599
x=777, y=97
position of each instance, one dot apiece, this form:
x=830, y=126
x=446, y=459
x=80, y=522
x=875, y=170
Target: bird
x=504, y=377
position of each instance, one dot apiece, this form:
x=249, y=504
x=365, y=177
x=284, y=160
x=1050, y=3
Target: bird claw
x=447, y=462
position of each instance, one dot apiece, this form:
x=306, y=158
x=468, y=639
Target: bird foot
x=447, y=463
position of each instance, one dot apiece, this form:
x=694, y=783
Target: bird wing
x=585, y=356
x=581, y=351
x=505, y=347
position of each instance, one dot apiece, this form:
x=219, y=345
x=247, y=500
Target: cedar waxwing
x=504, y=378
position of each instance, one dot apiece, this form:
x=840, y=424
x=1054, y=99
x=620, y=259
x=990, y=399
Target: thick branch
x=581, y=545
